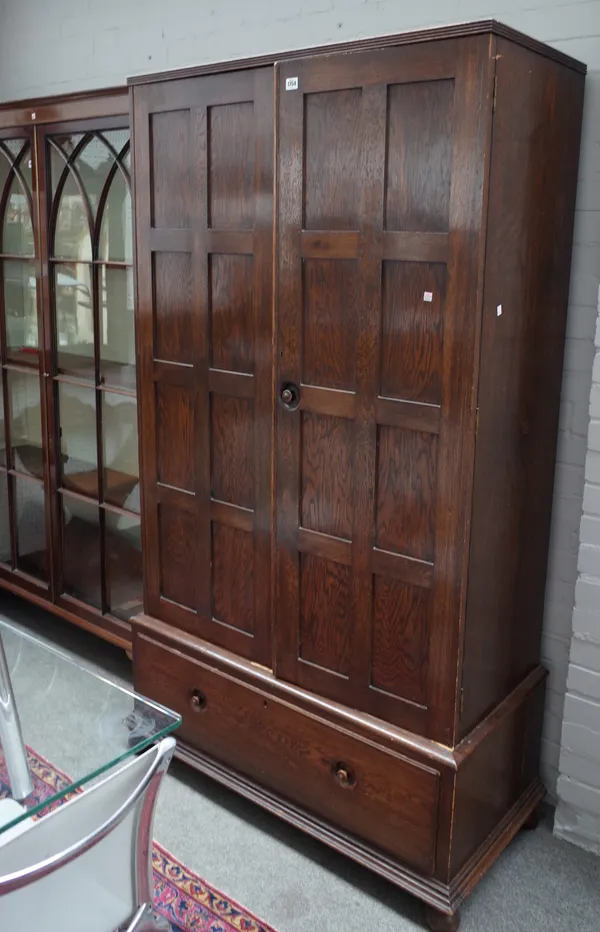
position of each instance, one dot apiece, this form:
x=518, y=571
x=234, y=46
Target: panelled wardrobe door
x=380, y=213
x=204, y=214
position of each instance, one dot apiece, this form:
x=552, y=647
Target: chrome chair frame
x=143, y=919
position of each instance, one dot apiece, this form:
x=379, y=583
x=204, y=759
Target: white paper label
x=428, y=296
x=499, y=310
x=291, y=84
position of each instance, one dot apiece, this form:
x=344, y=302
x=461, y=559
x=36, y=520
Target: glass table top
x=75, y=724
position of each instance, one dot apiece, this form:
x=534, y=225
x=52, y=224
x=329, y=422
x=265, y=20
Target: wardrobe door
x=380, y=193
x=203, y=151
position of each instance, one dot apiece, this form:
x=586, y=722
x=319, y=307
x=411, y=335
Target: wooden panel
x=170, y=240
x=231, y=308
x=326, y=401
x=330, y=244
x=322, y=545
x=420, y=120
x=326, y=475
x=174, y=373
x=204, y=152
x=177, y=554
x=416, y=117
x=175, y=498
x=173, y=338
x=496, y=769
x=331, y=305
x=332, y=152
x=236, y=384
x=401, y=631
x=234, y=242
x=408, y=414
x=391, y=801
x=233, y=577
x=405, y=569
x=175, y=437
x=324, y=613
x=406, y=492
x=415, y=246
x=231, y=134
x=232, y=448
x=232, y=515
x=412, y=335
x=170, y=141
x=520, y=374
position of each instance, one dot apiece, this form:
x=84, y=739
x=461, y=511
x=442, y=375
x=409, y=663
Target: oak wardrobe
x=352, y=280
x=352, y=270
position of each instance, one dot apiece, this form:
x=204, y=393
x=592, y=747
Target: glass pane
x=93, y=165
x=14, y=146
x=116, y=244
x=124, y=560
x=26, y=422
x=78, y=447
x=72, y=238
x=117, y=332
x=30, y=510
x=120, y=450
x=4, y=520
x=117, y=138
x=58, y=160
x=81, y=550
x=74, y=319
x=82, y=722
x=17, y=232
x=20, y=311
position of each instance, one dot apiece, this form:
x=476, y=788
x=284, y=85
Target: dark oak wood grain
x=520, y=377
x=382, y=351
x=378, y=358
x=393, y=800
x=172, y=281
x=204, y=170
x=412, y=331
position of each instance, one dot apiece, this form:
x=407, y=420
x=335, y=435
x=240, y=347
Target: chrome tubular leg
x=21, y=784
x=146, y=920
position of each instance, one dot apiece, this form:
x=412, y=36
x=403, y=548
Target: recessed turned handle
x=197, y=700
x=289, y=396
x=344, y=774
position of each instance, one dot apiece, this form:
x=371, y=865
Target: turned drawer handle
x=197, y=700
x=344, y=775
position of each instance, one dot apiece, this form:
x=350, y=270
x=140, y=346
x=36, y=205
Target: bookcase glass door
x=23, y=515
x=93, y=393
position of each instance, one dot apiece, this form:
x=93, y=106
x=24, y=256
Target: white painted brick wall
x=578, y=811
x=56, y=46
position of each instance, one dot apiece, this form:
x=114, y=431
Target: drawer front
x=382, y=797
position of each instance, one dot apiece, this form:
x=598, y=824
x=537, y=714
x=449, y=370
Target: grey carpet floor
x=539, y=884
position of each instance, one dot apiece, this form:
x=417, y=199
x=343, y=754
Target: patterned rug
x=180, y=896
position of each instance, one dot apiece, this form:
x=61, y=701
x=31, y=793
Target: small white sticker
x=291, y=84
x=428, y=296
x=33, y=116
x=499, y=311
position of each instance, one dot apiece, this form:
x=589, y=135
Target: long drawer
x=380, y=796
